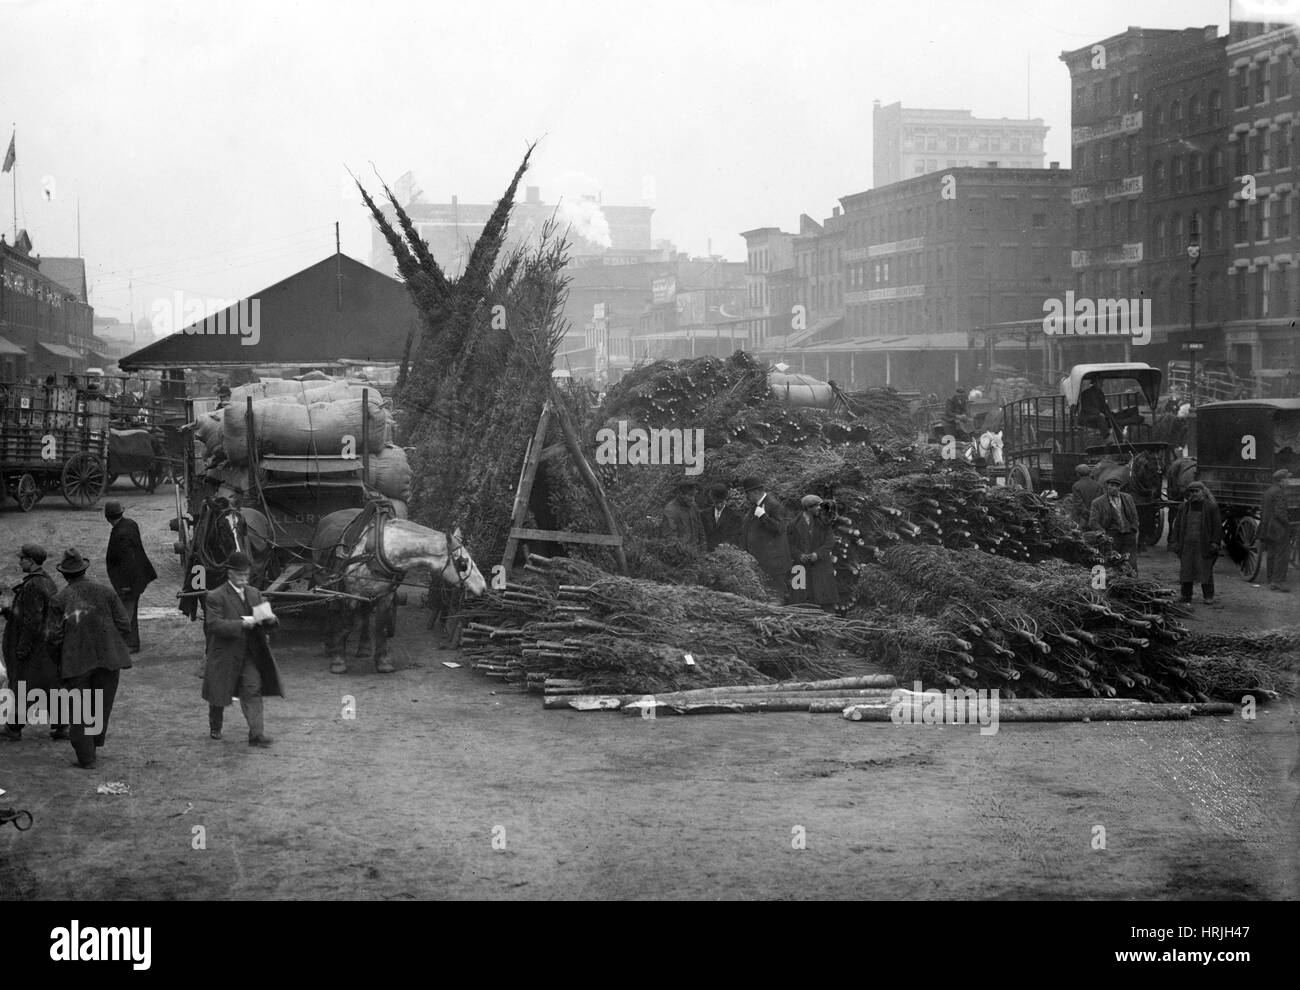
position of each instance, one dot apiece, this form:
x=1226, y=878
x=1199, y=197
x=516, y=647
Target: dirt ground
x=405, y=801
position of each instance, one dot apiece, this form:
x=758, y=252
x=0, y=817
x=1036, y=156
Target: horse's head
x=231, y=529
x=460, y=569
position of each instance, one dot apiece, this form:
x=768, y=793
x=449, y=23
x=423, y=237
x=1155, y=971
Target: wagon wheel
x=1018, y=476
x=1247, y=535
x=27, y=493
x=149, y=479
x=84, y=480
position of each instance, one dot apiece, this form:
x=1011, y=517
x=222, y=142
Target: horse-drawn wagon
x=322, y=528
x=1238, y=445
x=53, y=438
x=1047, y=437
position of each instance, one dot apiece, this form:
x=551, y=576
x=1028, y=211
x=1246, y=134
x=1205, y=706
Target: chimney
x=1055, y=164
x=835, y=211
x=532, y=194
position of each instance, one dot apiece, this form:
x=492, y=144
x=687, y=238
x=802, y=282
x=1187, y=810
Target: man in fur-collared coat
x=238, y=661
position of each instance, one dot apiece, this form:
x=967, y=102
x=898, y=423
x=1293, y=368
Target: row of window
x=976, y=141
x=1260, y=294
x=1264, y=82
x=919, y=221
x=1200, y=113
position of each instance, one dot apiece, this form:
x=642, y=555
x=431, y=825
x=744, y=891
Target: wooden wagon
x=53, y=438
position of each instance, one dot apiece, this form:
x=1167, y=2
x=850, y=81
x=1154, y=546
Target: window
x=1178, y=174
x=1282, y=80
x=1116, y=163
x=1282, y=146
x=1158, y=178
x=1216, y=228
x=1242, y=233
x=1260, y=147
x=1131, y=83
x=1040, y=221
x=1216, y=107
x=1116, y=209
x=1195, y=163
x=1242, y=89
x=1261, y=219
x=1211, y=296
x=1080, y=100
x=1115, y=100
x=1282, y=290
x=1132, y=218
x=1080, y=221
x=1175, y=116
x=1216, y=166
x=1284, y=216
x=1157, y=120
x=1242, y=308
x=1081, y=156
x=1158, y=238
x=1195, y=110
x=1243, y=155
x=1098, y=218
x=1177, y=299
x=1261, y=82
x=1177, y=234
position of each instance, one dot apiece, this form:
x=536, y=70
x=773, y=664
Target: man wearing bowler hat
x=128, y=566
x=764, y=535
x=87, y=633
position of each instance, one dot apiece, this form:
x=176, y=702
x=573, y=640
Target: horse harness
x=378, y=512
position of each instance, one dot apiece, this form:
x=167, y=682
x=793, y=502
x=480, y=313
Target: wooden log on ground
x=1040, y=710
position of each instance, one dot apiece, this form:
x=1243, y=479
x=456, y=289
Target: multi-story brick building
x=911, y=142
x=45, y=325
x=1263, y=232
x=769, y=284
x=1147, y=130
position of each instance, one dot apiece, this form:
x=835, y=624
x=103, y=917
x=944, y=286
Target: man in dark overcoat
x=1115, y=513
x=238, y=659
x=681, y=518
x=722, y=523
x=1085, y=492
x=764, y=535
x=812, y=540
x=87, y=632
x=128, y=566
x=26, y=654
x=1196, y=536
x=1275, y=531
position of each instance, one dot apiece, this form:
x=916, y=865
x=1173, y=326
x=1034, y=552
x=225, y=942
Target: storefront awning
x=58, y=350
x=6, y=347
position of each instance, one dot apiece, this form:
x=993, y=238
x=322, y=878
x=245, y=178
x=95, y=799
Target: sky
x=207, y=144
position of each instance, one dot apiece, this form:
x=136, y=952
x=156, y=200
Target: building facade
x=910, y=142
x=769, y=284
x=45, y=325
x=1259, y=337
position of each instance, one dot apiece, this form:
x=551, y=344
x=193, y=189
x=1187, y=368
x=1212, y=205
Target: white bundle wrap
x=296, y=430
x=209, y=430
x=390, y=473
x=304, y=393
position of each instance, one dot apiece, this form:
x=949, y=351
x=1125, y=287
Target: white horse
x=987, y=448
x=373, y=572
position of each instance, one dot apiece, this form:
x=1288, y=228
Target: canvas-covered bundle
x=291, y=429
x=390, y=473
x=303, y=393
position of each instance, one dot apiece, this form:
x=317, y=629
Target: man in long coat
x=764, y=535
x=128, y=566
x=26, y=653
x=1085, y=492
x=1196, y=535
x=1275, y=531
x=722, y=523
x=681, y=519
x=87, y=631
x=238, y=659
x=1115, y=513
x=812, y=541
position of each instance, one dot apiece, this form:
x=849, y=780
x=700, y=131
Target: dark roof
x=299, y=322
x=68, y=272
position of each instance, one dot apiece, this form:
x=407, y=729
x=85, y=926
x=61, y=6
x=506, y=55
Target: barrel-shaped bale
x=390, y=473
x=295, y=430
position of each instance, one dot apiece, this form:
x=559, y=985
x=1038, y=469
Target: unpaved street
x=405, y=801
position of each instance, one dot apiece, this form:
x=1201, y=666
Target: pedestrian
x=722, y=523
x=1085, y=491
x=1115, y=513
x=238, y=660
x=812, y=541
x=1196, y=535
x=681, y=517
x=1275, y=531
x=26, y=652
x=764, y=536
x=87, y=633
x=128, y=566
x=954, y=414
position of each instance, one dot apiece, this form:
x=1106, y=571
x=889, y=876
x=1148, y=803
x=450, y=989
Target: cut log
x=1040, y=710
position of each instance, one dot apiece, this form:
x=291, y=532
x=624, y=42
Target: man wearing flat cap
x=1275, y=531
x=87, y=631
x=1196, y=536
x=26, y=653
x=764, y=535
x=681, y=518
x=128, y=566
x=1115, y=513
x=812, y=540
x=1085, y=491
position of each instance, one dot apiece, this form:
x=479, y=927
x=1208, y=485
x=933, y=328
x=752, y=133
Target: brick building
x=45, y=325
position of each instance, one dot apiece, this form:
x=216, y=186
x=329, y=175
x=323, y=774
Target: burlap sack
x=295, y=430
x=390, y=473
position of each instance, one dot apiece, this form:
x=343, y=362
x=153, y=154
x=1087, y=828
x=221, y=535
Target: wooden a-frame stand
x=535, y=455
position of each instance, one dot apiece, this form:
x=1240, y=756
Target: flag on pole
x=9, y=155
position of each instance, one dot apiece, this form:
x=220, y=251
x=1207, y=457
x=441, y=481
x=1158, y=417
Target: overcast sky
x=206, y=142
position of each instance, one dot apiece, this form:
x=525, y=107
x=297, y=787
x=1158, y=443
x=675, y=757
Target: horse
x=225, y=528
x=985, y=449
x=367, y=567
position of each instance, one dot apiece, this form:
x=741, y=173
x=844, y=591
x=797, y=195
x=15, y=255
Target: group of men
x=793, y=554
x=81, y=637
x=1195, y=528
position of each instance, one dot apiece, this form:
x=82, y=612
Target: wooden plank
x=564, y=536
x=526, y=476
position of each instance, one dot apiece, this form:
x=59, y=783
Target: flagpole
x=13, y=143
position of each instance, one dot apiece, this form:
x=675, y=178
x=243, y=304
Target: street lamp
x=1193, y=257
